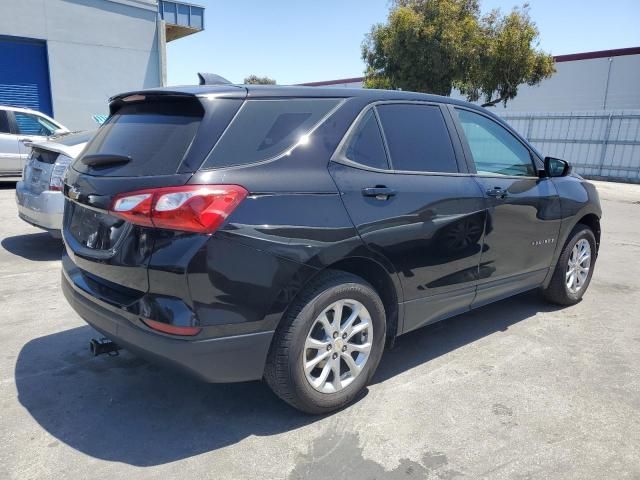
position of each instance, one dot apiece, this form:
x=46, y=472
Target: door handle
x=26, y=139
x=380, y=192
x=497, y=192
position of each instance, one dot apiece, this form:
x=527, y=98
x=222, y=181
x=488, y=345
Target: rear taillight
x=57, y=173
x=191, y=208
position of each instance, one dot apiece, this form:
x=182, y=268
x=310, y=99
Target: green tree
x=435, y=45
x=255, y=80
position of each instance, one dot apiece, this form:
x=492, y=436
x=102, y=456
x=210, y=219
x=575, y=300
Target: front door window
x=494, y=150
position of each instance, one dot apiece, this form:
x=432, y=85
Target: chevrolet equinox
x=289, y=233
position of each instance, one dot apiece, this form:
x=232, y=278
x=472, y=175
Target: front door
x=402, y=186
x=523, y=209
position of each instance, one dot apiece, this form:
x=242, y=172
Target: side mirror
x=556, y=167
x=59, y=131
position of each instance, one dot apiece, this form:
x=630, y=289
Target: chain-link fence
x=601, y=144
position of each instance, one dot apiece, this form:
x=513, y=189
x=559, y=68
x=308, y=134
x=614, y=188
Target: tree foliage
x=435, y=45
x=256, y=80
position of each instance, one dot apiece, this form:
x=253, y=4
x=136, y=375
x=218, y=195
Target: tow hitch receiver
x=103, y=345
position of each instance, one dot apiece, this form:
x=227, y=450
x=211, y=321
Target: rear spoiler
x=175, y=93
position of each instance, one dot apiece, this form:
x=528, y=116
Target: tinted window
x=4, y=122
x=417, y=137
x=365, y=144
x=156, y=136
x=495, y=151
x=71, y=139
x=264, y=129
x=33, y=125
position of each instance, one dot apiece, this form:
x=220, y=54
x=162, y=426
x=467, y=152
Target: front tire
x=574, y=269
x=328, y=345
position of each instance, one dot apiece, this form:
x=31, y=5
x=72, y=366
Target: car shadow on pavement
x=127, y=410
x=432, y=341
x=39, y=247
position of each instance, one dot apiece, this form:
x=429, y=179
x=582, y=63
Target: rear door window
x=266, y=129
x=155, y=136
x=365, y=145
x=417, y=137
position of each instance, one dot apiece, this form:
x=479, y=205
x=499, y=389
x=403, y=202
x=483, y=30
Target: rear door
x=10, y=155
x=523, y=209
x=406, y=188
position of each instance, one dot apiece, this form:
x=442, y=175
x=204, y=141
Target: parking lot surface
x=517, y=389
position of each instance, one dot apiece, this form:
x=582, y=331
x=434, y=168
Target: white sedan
x=39, y=193
x=19, y=126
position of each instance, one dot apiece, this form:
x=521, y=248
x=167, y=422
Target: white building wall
x=607, y=83
x=96, y=49
x=581, y=85
x=624, y=84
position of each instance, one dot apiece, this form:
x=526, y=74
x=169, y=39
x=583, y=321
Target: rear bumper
x=44, y=210
x=217, y=360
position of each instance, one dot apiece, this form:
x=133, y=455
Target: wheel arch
x=385, y=283
x=592, y=221
x=382, y=281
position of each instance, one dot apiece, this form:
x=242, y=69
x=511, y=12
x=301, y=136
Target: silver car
x=19, y=126
x=39, y=194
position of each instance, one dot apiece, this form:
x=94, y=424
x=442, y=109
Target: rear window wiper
x=104, y=159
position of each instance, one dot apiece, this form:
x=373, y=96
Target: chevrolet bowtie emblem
x=73, y=192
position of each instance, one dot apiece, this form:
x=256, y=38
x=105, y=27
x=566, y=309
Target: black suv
x=288, y=233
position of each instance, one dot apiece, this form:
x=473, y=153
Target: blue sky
x=297, y=41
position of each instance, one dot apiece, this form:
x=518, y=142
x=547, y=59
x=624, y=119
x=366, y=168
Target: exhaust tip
x=93, y=346
x=103, y=346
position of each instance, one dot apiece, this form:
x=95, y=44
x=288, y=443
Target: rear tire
x=316, y=339
x=570, y=280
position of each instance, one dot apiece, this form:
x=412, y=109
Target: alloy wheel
x=578, y=266
x=337, y=346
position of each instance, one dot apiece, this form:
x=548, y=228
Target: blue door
x=24, y=74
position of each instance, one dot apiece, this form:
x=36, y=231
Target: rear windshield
x=75, y=138
x=265, y=129
x=155, y=135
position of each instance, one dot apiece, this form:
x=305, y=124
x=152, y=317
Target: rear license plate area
x=92, y=229
x=36, y=173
